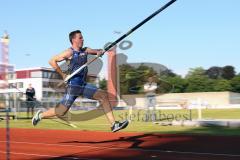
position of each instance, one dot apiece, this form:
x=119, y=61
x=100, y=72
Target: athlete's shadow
x=134, y=141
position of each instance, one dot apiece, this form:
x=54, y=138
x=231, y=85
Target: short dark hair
x=72, y=34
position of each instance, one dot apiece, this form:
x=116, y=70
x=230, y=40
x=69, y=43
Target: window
x=11, y=85
x=54, y=75
x=36, y=74
x=45, y=74
x=19, y=84
x=11, y=76
x=51, y=75
x=45, y=94
x=45, y=84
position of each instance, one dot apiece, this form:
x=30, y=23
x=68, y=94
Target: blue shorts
x=73, y=91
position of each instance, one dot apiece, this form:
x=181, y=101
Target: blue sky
x=188, y=34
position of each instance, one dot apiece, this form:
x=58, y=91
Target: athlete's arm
x=94, y=51
x=58, y=58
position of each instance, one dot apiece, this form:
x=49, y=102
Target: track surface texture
x=89, y=145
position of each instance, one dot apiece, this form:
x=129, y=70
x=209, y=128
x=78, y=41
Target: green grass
x=138, y=124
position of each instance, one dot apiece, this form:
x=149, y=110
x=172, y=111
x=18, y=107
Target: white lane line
x=44, y=155
x=130, y=149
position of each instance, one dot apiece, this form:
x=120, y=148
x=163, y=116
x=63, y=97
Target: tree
x=127, y=73
x=235, y=83
x=228, y=72
x=168, y=73
x=132, y=79
x=198, y=71
x=177, y=84
x=197, y=81
x=214, y=72
x=199, y=84
x=103, y=84
x=222, y=85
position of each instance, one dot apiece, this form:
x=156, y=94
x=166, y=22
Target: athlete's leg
x=102, y=97
x=92, y=92
x=49, y=113
x=59, y=110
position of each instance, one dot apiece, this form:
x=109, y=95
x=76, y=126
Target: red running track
x=72, y=145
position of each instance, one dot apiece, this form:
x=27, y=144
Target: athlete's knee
x=61, y=110
x=102, y=96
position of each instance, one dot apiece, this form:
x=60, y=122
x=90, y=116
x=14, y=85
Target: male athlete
x=76, y=56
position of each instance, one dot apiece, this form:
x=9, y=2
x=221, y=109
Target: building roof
x=34, y=68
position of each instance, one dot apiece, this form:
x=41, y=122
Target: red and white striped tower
x=5, y=58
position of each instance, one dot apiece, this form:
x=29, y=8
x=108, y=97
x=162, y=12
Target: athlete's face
x=78, y=40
